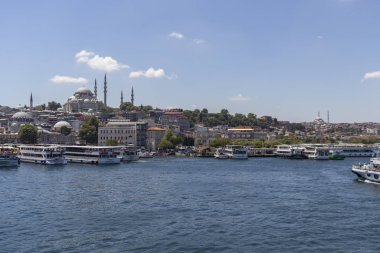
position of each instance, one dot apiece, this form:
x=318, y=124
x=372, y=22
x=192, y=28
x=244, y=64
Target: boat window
x=368, y=175
x=376, y=176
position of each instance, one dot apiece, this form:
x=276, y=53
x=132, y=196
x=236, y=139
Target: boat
x=236, y=152
x=290, y=152
x=42, y=154
x=316, y=152
x=220, y=154
x=129, y=154
x=355, y=150
x=93, y=154
x=181, y=151
x=8, y=157
x=368, y=172
x=336, y=155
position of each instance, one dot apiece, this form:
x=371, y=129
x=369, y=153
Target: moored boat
x=8, y=157
x=42, y=154
x=236, y=152
x=220, y=154
x=129, y=154
x=336, y=155
x=93, y=154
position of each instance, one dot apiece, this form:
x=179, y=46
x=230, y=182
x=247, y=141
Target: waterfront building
x=204, y=136
x=124, y=132
x=154, y=136
x=172, y=119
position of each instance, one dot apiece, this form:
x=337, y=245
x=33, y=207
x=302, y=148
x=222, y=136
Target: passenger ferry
x=368, y=172
x=290, y=152
x=236, y=152
x=316, y=152
x=8, y=157
x=93, y=154
x=355, y=150
x=50, y=154
x=129, y=153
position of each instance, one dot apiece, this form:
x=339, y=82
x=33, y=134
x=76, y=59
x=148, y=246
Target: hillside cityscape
x=86, y=119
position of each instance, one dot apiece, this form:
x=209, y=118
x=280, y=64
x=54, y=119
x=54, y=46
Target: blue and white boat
x=49, y=155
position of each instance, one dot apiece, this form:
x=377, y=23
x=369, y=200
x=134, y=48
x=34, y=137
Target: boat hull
x=9, y=163
x=61, y=161
x=366, y=175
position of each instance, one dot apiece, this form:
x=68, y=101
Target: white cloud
x=371, y=75
x=239, y=98
x=97, y=62
x=199, y=41
x=151, y=73
x=68, y=80
x=320, y=37
x=176, y=35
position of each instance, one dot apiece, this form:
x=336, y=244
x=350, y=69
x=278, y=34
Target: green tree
x=89, y=130
x=65, y=130
x=220, y=142
x=112, y=143
x=170, y=140
x=53, y=106
x=28, y=134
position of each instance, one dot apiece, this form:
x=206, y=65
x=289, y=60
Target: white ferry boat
x=8, y=157
x=92, y=154
x=368, y=172
x=236, y=152
x=220, y=154
x=50, y=155
x=290, y=152
x=129, y=154
x=316, y=152
x=354, y=150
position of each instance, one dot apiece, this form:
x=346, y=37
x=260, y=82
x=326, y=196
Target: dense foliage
x=65, y=130
x=53, y=106
x=28, y=134
x=88, y=131
x=170, y=140
x=225, y=118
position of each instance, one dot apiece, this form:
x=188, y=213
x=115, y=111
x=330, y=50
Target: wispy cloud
x=94, y=61
x=68, y=80
x=371, y=75
x=151, y=73
x=320, y=37
x=199, y=41
x=239, y=98
x=176, y=35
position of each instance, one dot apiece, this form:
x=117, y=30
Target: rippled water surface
x=189, y=205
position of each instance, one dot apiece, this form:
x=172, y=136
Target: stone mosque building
x=84, y=100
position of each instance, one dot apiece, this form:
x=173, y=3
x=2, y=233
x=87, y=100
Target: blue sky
x=289, y=59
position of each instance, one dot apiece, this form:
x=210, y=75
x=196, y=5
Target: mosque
x=84, y=100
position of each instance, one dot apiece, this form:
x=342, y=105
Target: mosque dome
x=61, y=124
x=22, y=115
x=84, y=90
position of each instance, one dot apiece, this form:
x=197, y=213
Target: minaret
x=132, y=97
x=31, y=102
x=96, y=90
x=328, y=117
x=105, y=90
x=121, y=98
